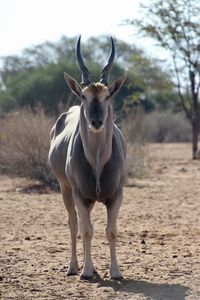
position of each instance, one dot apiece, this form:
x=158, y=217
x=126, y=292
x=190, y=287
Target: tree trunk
x=195, y=132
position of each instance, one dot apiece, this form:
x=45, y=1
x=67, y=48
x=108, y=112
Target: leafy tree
x=153, y=85
x=37, y=75
x=175, y=25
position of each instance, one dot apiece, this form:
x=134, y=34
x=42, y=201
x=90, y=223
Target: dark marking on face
x=96, y=113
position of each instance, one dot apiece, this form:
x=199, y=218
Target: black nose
x=97, y=123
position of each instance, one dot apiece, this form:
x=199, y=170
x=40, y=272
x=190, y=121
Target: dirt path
x=158, y=245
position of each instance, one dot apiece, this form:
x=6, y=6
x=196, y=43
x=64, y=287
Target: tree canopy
x=36, y=76
x=175, y=25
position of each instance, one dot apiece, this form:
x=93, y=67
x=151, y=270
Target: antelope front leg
x=87, y=234
x=70, y=206
x=113, y=207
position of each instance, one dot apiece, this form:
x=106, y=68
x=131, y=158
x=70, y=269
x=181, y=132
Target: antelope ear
x=116, y=85
x=73, y=85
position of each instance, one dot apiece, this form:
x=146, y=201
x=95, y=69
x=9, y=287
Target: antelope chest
x=81, y=176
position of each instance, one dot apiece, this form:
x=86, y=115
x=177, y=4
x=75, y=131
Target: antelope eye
x=83, y=97
x=107, y=97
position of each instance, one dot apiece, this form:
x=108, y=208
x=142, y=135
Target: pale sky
x=24, y=23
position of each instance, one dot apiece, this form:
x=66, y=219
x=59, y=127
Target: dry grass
x=137, y=160
x=135, y=130
x=24, y=145
x=140, y=129
x=159, y=127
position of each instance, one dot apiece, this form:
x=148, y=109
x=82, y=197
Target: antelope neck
x=97, y=146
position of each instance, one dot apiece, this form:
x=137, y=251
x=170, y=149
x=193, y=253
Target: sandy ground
x=158, y=243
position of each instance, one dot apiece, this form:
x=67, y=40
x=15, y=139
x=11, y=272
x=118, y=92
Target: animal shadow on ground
x=155, y=291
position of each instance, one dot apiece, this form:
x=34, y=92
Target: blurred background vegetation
x=33, y=93
x=36, y=77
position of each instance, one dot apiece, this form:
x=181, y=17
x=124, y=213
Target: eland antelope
x=88, y=157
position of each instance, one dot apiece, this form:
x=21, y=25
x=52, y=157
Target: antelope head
x=95, y=97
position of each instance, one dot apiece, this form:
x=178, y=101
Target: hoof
x=96, y=275
x=86, y=277
x=72, y=273
x=117, y=278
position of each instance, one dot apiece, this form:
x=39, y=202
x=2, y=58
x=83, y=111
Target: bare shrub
x=168, y=127
x=134, y=127
x=24, y=141
x=136, y=160
x=140, y=129
x=157, y=127
x=135, y=133
x=24, y=145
